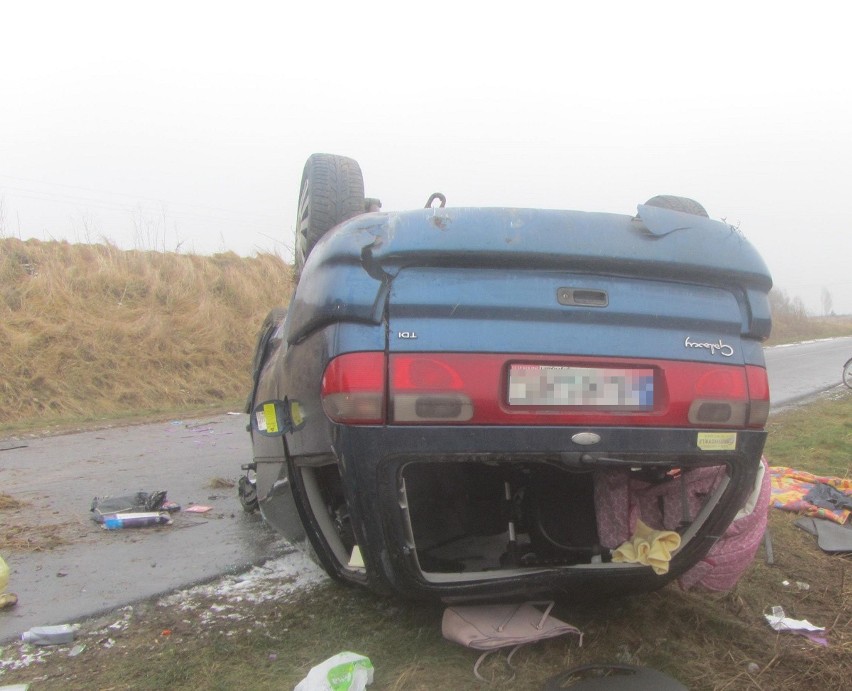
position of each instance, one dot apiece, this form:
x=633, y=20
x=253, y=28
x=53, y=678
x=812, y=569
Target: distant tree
x=827, y=302
x=785, y=308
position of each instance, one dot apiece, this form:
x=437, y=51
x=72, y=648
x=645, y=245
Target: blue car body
x=485, y=477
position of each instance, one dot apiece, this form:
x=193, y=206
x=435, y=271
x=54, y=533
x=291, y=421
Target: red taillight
x=473, y=389
x=720, y=396
x=353, y=388
x=441, y=387
x=758, y=393
x=721, y=382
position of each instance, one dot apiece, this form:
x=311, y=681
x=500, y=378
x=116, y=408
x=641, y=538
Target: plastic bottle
x=135, y=520
x=49, y=635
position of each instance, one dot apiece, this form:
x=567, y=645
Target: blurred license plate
x=581, y=386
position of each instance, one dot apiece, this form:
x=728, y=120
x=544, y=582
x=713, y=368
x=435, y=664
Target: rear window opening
x=476, y=519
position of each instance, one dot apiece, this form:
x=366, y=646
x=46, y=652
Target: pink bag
x=491, y=627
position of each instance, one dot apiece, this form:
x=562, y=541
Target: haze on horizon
x=185, y=125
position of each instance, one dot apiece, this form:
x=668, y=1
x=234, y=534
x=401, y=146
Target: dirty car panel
x=480, y=402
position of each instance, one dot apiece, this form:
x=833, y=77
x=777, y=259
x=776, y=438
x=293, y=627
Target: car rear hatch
x=542, y=368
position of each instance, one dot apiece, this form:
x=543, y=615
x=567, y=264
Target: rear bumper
x=373, y=463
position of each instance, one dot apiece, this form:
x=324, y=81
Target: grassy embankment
x=91, y=333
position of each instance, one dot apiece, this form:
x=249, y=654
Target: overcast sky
x=185, y=125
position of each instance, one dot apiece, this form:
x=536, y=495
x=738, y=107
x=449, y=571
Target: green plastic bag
x=343, y=672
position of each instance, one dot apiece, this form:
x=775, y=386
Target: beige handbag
x=491, y=627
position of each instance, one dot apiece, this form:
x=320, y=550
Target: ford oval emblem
x=586, y=438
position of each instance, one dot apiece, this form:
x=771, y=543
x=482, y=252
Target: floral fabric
x=790, y=486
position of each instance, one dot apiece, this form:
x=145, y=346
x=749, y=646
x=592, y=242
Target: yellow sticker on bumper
x=717, y=441
x=271, y=418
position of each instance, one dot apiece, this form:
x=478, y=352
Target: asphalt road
x=98, y=571
x=798, y=371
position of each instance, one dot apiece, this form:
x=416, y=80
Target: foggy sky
x=185, y=126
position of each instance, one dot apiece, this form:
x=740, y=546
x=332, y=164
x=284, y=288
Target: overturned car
x=468, y=403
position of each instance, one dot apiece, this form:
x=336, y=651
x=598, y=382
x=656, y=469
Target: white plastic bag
x=343, y=672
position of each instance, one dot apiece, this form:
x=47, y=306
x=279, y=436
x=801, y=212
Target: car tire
x=332, y=191
x=247, y=493
x=847, y=373
x=683, y=204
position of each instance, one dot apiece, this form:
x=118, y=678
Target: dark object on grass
x=828, y=497
x=830, y=536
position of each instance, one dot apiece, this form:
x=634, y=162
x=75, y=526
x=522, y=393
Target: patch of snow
x=277, y=579
x=274, y=580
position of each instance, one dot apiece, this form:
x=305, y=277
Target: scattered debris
x=49, y=635
x=198, y=508
x=103, y=507
x=649, y=547
x=792, y=488
x=135, y=520
x=779, y=621
x=138, y=510
x=492, y=627
x=342, y=672
x=830, y=536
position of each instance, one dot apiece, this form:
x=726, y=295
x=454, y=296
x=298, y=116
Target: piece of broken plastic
x=135, y=520
x=779, y=621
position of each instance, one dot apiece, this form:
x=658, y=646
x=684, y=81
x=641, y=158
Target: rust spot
x=440, y=222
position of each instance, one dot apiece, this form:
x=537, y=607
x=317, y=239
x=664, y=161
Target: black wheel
x=247, y=492
x=684, y=204
x=332, y=191
x=261, y=349
x=847, y=373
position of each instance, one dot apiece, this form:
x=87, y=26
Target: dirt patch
x=9, y=503
x=38, y=538
x=221, y=483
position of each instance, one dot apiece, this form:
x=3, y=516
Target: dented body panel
x=463, y=490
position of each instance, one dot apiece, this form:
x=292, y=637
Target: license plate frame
x=571, y=387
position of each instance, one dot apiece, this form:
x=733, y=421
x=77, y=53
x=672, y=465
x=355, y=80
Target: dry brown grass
x=791, y=321
x=221, y=483
x=32, y=538
x=9, y=503
x=91, y=330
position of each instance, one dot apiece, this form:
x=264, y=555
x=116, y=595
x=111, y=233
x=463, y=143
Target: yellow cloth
x=4, y=575
x=649, y=547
